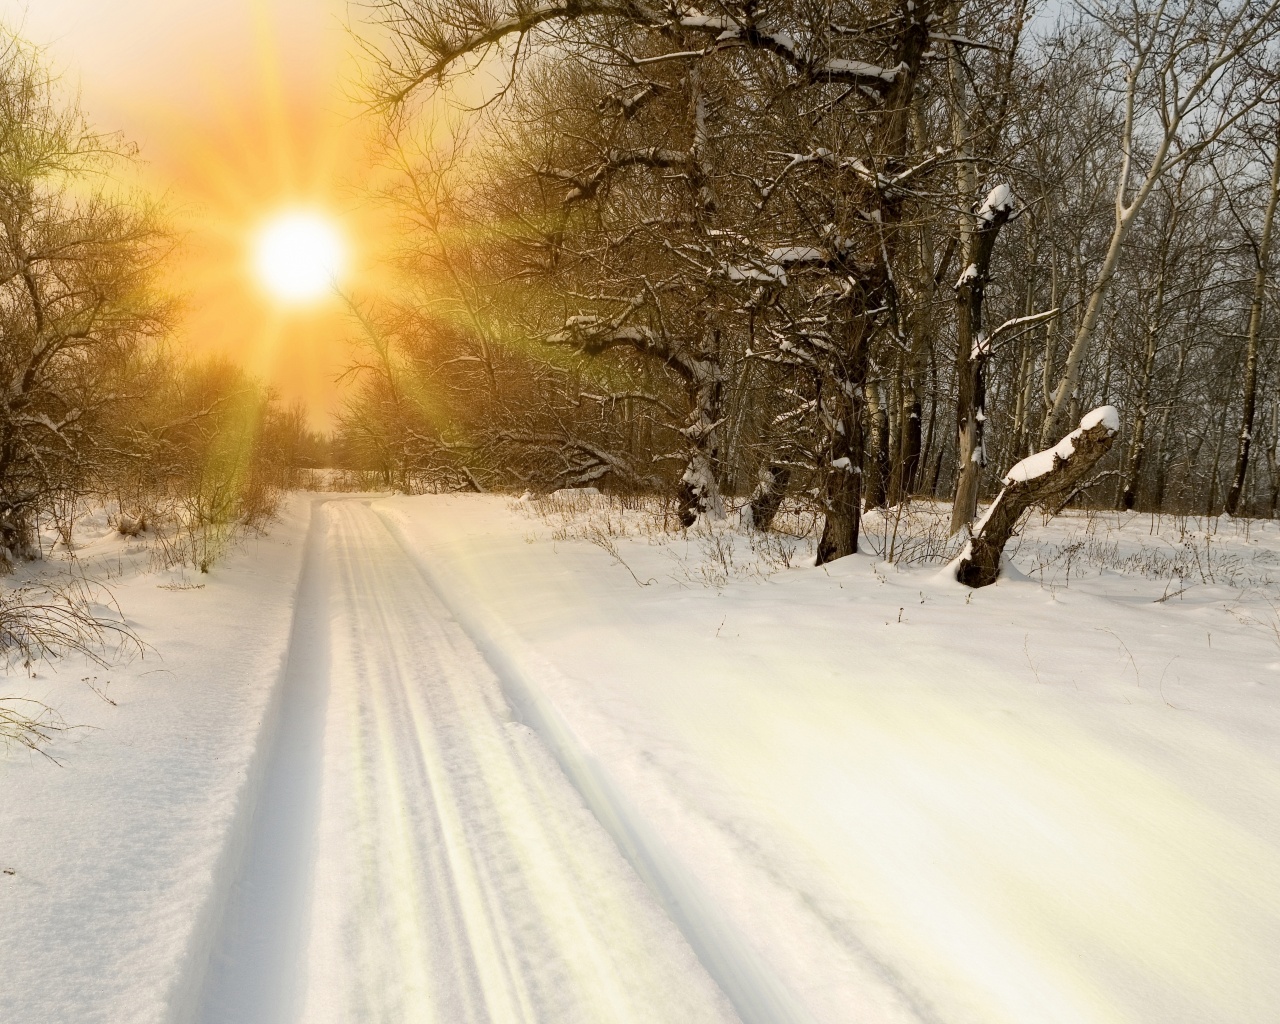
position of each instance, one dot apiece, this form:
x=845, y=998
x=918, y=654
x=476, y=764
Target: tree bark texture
x=843, y=485
x=877, y=460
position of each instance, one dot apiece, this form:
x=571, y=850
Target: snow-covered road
x=434, y=759
x=415, y=854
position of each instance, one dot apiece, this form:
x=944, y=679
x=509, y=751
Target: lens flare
x=298, y=256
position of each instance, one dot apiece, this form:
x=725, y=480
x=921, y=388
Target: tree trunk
x=1138, y=443
x=908, y=451
x=768, y=496
x=842, y=408
x=1161, y=447
x=1022, y=399
x=1262, y=254
x=1211, y=504
x=1045, y=479
x=877, y=463
x=1273, y=464
x=17, y=538
x=972, y=353
x=907, y=465
x=699, y=490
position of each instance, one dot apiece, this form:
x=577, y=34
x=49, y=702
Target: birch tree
x=1186, y=80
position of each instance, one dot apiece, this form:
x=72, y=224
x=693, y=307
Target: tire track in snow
x=748, y=980
x=253, y=972
x=457, y=875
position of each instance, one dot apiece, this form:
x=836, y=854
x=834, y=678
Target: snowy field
x=873, y=794
x=473, y=758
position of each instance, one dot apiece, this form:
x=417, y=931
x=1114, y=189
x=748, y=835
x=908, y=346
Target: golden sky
x=241, y=108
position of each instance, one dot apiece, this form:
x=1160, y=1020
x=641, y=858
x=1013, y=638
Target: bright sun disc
x=298, y=256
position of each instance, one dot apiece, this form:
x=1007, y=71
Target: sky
x=241, y=109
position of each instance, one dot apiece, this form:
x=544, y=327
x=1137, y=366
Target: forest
x=97, y=404
x=729, y=512
x=847, y=256
x=853, y=254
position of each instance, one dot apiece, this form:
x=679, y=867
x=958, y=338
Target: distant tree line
x=856, y=250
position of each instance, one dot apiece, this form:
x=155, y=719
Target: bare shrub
x=912, y=533
x=40, y=621
x=77, y=258
x=1186, y=556
x=131, y=525
x=206, y=458
x=50, y=619
x=778, y=551
x=28, y=723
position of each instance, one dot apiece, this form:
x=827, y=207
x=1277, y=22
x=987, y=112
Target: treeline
x=95, y=405
x=857, y=251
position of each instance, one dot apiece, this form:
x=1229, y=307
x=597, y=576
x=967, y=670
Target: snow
x=469, y=757
x=899, y=800
x=1037, y=465
x=841, y=66
x=777, y=260
x=320, y=810
x=767, y=274
x=999, y=200
x=1107, y=415
x=452, y=864
x=707, y=21
x=119, y=856
x=786, y=40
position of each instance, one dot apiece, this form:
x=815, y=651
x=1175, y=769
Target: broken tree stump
x=1040, y=479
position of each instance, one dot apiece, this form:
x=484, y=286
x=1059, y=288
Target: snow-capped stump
x=1045, y=479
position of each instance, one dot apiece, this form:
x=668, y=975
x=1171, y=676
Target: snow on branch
x=1043, y=463
x=582, y=462
x=1000, y=201
x=889, y=184
x=437, y=38
x=586, y=186
x=838, y=70
x=772, y=269
x=592, y=335
x=858, y=72
x=1027, y=322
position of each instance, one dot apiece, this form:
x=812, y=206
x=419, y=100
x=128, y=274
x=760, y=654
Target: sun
x=298, y=256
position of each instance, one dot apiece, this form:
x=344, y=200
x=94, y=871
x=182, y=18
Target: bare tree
x=1261, y=252
x=1186, y=82
x=75, y=262
x=764, y=242
x=1045, y=479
